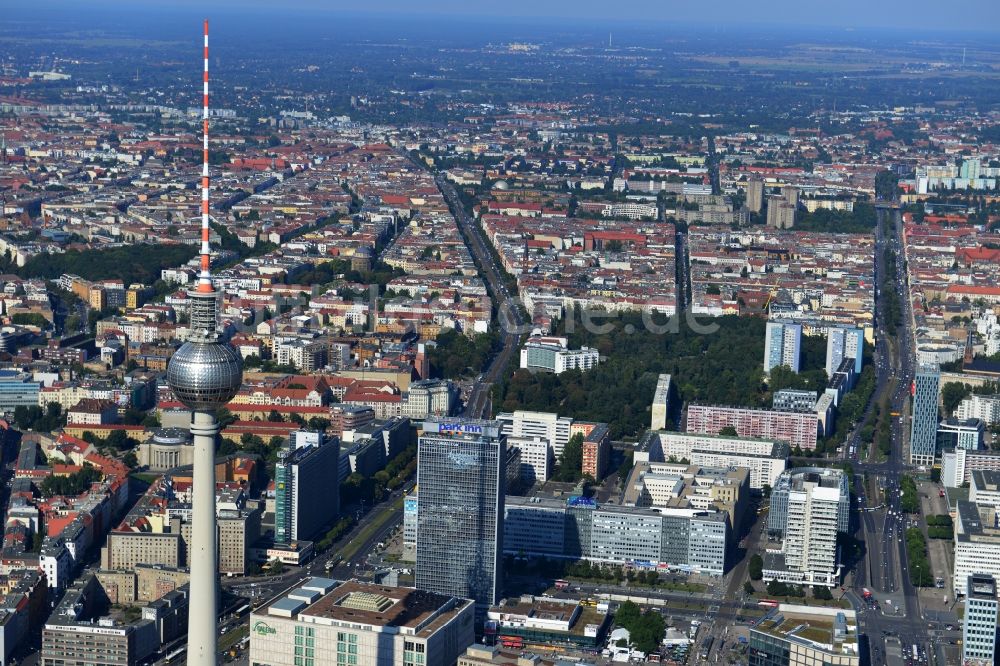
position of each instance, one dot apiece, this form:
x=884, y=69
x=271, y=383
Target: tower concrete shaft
x=203, y=554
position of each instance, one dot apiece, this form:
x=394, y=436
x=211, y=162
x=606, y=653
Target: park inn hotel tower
x=461, y=475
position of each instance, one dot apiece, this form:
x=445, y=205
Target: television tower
x=205, y=374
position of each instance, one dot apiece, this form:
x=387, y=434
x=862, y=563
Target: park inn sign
x=468, y=427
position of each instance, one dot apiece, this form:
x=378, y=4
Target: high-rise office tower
x=844, y=343
x=794, y=480
x=755, y=195
x=461, y=476
x=205, y=374
x=303, y=478
x=814, y=511
x=781, y=345
x=979, y=634
x=924, y=423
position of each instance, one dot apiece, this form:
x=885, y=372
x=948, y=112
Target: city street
x=509, y=312
x=882, y=526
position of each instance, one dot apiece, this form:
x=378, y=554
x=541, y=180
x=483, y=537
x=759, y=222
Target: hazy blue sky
x=930, y=14
x=925, y=15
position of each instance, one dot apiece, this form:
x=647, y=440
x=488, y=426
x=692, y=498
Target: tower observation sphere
x=205, y=375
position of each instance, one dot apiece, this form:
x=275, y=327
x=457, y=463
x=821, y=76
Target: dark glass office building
x=461, y=480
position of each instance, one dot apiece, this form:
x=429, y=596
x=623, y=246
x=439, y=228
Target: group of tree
x=916, y=552
x=140, y=262
x=35, y=418
x=72, y=484
x=645, y=628
x=940, y=527
x=722, y=367
x=893, y=306
x=358, y=488
x=455, y=355
x=776, y=588
x=886, y=184
x=255, y=445
x=851, y=410
x=952, y=393
x=822, y=593
x=30, y=319
x=117, y=440
x=879, y=433
x=339, y=529
x=133, y=416
x=909, y=501
x=783, y=377
x=861, y=220
x=254, y=362
x=755, y=567
x=592, y=571
x=570, y=469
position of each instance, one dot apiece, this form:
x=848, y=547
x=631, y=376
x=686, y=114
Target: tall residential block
x=461, y=473
x=790, y=194
x=815, y=505
x=796, y=428
x=957, y=466
x=979, y=633
x=924, y=423
x=596, y=449
x=303, y=478
x=794, y=479
x=782, y=343
x=755, y=195
x=551, y=427
x=983, y=407
x=661, y=403
x=844, y=343
x=780, y=213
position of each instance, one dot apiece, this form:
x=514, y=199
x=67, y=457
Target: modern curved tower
x=205, y=374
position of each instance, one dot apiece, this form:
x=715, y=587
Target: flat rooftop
x=553, y=611
x=814, y=627
x=323, y=601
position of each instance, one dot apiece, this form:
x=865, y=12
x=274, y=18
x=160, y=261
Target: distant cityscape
x=523, y=346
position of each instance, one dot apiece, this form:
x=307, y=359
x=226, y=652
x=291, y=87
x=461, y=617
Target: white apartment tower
x=551, y=427
x=781, y=345
x=810, y=547
x=661, y=403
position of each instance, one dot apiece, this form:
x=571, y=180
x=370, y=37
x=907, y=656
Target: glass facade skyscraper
x=924, y=424
x=461, y=477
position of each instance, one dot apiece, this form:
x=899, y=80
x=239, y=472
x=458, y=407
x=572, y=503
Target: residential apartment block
x=798, y=430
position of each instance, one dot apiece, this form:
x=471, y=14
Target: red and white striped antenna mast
x=205, y=279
